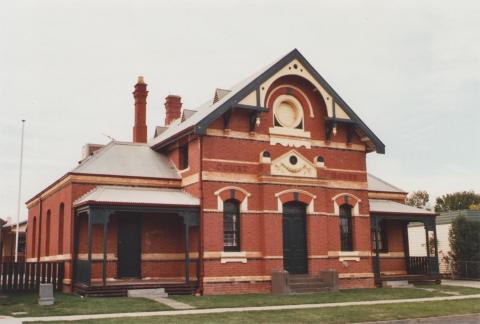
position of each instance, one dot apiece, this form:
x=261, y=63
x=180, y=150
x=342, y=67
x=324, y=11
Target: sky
x=409, y=69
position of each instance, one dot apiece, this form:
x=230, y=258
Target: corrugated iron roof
x=128, y=159
x=138, y=195
x=377, y=184
x=388, y=206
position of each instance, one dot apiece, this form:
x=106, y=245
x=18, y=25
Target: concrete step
x=309, y=290
x=147, y=293
x=397, y=284
x=301, y=285
x=302, y=280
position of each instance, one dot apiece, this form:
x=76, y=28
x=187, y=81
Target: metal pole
x=19, y=192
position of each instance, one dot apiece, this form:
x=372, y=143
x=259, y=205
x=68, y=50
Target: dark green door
x=294, y=238
x=129, y=246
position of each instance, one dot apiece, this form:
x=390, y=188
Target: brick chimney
x=140, y=127
x=173, y=108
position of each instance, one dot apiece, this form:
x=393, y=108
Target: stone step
x=147, y=293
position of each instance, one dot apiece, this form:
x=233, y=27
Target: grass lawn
x=329, y=297
x=327, y=315
x=68, y=304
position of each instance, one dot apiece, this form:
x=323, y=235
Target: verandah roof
x=391, y=207
x=137, y=196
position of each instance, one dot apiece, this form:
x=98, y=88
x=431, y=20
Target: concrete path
x=457, y=319
x=462, y=283
x=172, y=303
x=242, y=309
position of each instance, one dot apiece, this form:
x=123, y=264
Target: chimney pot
x=173, y=108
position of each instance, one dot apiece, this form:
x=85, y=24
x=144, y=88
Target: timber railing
x=422, y=265
x=27, y=276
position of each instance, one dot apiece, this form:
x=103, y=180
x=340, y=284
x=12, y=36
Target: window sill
x=349, y=256
x=233, y=257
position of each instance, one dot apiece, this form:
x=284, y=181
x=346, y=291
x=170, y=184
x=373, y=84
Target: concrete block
x=330, y=277
x=280, y=282
x=46, y=294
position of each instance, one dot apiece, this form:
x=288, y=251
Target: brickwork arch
x=348, y=199
x=232, y=192
x=295, y=195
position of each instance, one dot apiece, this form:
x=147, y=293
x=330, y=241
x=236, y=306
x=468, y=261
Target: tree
x=418, y=198
x=464, y=238
x=456, y=201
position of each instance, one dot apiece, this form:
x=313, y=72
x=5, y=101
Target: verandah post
x=105, y=246
x=437, y=270
x=375, y=222
x=427, y=244
x=187, y=254
x=89, y=239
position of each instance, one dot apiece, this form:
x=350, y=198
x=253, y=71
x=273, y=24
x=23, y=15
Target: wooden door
x=294, y=238
x=129, y=246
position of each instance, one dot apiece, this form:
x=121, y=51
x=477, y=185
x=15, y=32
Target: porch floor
x=121, y=286
x=411, y=278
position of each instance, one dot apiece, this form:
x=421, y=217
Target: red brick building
x=268, y=175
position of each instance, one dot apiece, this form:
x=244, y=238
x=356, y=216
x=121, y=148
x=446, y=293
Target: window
x=382, y=238
x=288, y=112
x=61, y=210
x=21, y=244
x=47, y=231
x=183, y=156
x=346, y=241
x=231, y=225
x=320, y=161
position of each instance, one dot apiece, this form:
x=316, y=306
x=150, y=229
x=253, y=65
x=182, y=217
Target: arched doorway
x=294, y=238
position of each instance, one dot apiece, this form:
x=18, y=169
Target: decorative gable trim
x=293, y=164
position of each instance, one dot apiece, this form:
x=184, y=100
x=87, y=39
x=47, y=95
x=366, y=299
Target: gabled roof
x=211, y=110
x=377, y=184
x=128, y=159
x=137, y=196
x=392, y=207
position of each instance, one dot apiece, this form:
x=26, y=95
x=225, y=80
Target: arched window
x=320, y=161
x=61, y=211
x=34, y=236
x=47, y=234
x=231, y=225
x=346, y=242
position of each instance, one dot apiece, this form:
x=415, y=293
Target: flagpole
x=19, y=192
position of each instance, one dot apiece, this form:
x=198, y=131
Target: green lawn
x=68, y=304
x=326, y=315
x=328, y=297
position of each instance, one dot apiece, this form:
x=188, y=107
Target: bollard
x=46, y=294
